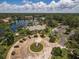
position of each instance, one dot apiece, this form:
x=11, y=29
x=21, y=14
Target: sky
x=39, y=6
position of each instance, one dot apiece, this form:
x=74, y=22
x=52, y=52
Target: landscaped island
x=39, y=36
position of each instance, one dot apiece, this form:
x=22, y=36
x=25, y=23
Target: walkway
x=22, y=52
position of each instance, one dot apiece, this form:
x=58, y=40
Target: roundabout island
x=35, y=48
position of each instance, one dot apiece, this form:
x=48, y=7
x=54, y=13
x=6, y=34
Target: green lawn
x=34, y=48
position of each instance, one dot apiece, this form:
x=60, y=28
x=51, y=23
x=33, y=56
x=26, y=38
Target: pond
x=18, y=24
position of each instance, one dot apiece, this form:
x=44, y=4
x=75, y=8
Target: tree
x=72, y=56
x=48, y=30
x=25, y=31
x=2, y=51
x=52, y=23
x=72, y=21
x=1, y=57
x=56, y=51
x=52, y=39
x=68, y=30
x=76, y=52
x=73, y=41
x=9, y=38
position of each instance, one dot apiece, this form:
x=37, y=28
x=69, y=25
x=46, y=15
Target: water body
x=1, y=32
x=18, y=24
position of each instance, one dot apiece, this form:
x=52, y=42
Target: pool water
x=18, y=24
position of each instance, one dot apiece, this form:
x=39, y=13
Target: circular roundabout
x=31, y=48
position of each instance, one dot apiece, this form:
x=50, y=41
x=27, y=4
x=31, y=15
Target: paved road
x=60, y=30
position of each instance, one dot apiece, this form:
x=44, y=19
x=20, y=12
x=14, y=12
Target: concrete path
x=23, y=51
